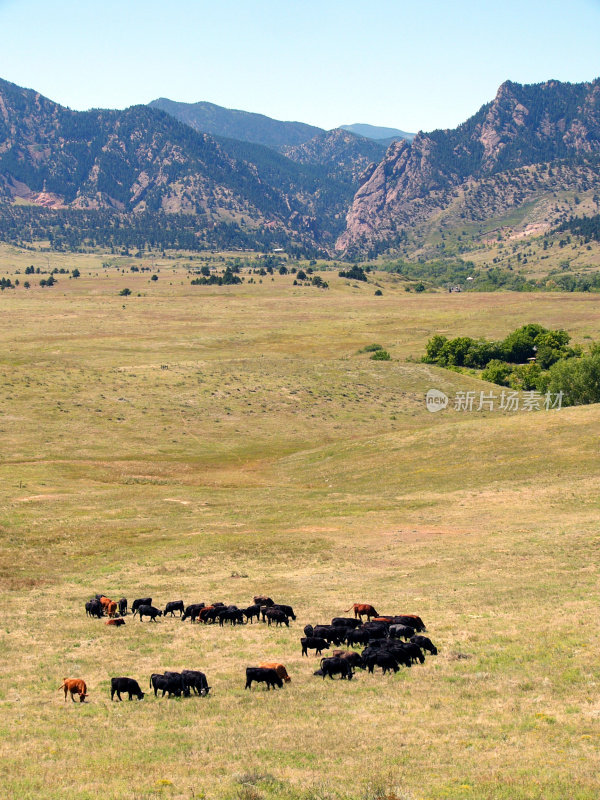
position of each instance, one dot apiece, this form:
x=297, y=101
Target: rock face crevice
x=523, y=125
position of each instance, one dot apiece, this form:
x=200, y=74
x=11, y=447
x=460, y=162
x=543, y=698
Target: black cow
x=287, y=610
x=384, y=660
x=149, y=611
x=336, y=666
x=313, y=643
x=128, y=685
x=330, y=633
x=309, y=630
x=169, y=683
x=357, y=637
x=252, y=611
x=94, y=609
x=425, y=644
x=175, y=605
x=192, y=611
x=401, y=632
x=123, y=606
x=211, y=613
x=262, y=675
x=414, y=651
x=193, y=679
x=231, y=614
x=410, y=619
x=376, y=630
x=346, y=622
x=143, y=601
x=276, y=616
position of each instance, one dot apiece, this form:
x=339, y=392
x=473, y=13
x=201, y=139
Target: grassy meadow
x=211, y=443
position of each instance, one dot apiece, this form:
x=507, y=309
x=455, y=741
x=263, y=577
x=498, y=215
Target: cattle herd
x=387, y=641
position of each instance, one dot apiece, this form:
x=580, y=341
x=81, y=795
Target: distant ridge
x=234, y=124
x=384, y=135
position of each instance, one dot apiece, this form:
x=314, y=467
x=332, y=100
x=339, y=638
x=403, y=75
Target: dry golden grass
x=271, y=449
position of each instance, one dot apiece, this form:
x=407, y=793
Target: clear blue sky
x=412, y=65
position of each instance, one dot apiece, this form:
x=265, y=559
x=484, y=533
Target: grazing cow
x=169, y=683
x=276, y=616
x=279, y=669
x=177, y=680
x=357, y=637
x=123, y=606
x=192, y=611
x=149, y=611
x=261, y=600
x=143, y=601
x=231, y=614
x=336, y=666
x=375, y=630
x=209, y=613
x=414, y=651
x=351, y=656
x=171, y=608
x=196, y=680
x=401, y=632
x=425, y=644
x=309, y=630
x=362, y=610
x=252, y=611
x=128, y=685
x=94, y=609
x=287, y=610
x=112, y=608
x=261, y=675
x=330, y=633
x=74, y=686
x=411, y=619
x=116, y=622
x=346, y=622
x=384, y=660
x=313, y=643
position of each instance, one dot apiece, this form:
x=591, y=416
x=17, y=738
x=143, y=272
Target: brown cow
x=362, y=610
x=118, y=621
x=111, y=608
x=279, y=669
x=75, y=686
x=105, y=602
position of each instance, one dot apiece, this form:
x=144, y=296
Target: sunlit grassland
x=210, y=443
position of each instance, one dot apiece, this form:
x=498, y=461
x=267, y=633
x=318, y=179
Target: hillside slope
x=234, y=124
x=141, y=159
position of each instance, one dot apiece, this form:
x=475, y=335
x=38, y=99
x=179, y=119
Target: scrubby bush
x=381, y=355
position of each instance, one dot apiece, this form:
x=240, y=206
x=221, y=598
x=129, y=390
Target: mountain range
x=327, y=189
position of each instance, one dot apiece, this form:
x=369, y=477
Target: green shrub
x=577, y=378
x=497, y=372
x=371, y=348
x=381, y=355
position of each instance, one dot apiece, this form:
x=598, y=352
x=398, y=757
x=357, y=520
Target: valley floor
x=213, y=443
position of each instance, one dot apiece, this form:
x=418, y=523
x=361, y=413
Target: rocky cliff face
x=523, y=125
